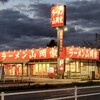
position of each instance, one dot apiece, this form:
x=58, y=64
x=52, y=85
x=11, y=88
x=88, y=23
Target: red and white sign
x=50, y=53
x=30, y=54
x=82, y=53
x=61, y=40
x=62, y=65
x=58, y=15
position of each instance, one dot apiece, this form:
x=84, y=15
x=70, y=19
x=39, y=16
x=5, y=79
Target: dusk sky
x=25, y=24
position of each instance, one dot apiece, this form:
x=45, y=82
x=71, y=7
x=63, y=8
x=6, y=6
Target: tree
x=52, y=43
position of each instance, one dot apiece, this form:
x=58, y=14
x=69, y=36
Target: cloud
x=4, y=1
x=85, y=14
x=41, y=10
x=28, y=26
x=16, y=26
x=83, y=20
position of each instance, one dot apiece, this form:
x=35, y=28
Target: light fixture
x=56, y=28
x=65, y=28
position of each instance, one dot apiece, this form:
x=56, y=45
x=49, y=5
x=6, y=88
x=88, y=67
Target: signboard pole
x=58, y=53
x=58, y=20
x=58, y=58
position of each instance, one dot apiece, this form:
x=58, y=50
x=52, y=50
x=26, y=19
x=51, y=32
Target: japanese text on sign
x=58, y=17
x=61, y=39
x=43, y=53
x=83, y=53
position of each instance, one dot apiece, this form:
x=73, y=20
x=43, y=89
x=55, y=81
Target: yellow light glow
x=61, y=7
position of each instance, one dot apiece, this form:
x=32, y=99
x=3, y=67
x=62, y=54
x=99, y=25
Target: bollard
x=75, y=92
x=2, y=95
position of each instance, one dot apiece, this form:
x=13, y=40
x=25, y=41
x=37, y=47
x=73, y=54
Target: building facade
x=75, y=62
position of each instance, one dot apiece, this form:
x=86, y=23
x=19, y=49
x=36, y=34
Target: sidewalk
x=56, y=81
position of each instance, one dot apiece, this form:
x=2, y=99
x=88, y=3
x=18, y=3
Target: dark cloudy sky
x=26, y=23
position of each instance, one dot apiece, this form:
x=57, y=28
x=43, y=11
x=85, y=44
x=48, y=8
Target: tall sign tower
x=58, y=21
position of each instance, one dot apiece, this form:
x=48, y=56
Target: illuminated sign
x=62, y=65
x=58, y=15
x=30, y=54
x=61, y=40
x=82, y=53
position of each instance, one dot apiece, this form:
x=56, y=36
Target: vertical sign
x=58, y=15
x=61, y=39
x=61, y=65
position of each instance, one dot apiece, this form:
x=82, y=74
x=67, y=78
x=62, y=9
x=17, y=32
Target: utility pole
x=96, y=40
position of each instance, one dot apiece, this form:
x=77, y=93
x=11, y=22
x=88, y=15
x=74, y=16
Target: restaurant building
x=75, y=62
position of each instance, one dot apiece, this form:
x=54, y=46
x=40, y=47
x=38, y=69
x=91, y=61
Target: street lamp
x=65, y=28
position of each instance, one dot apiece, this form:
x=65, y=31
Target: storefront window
x=31, y=69
x=67, y=68
x=36, y=68
x=25, y=70
x=19, y=69
x=72, y=66
x=44, y=68
x=40, y=69
x=13, y=69
x=84, y=68
x=47, y=67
